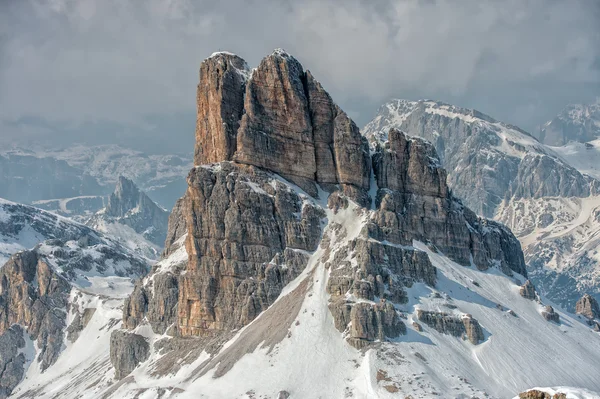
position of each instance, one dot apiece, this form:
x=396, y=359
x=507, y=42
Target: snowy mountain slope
x=76, y=208
x=585, y=157
x=288, y=352
x=23, y=227
x=484, y=157
x=78, y=251
x=576, y=123
x=561, y=240
x=505, y=138
x=49, y=264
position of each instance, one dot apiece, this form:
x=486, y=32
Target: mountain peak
x=576, y=122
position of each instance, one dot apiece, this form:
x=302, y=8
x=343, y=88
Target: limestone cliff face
x=414, y=202
x=249, y=230
x=247, y=239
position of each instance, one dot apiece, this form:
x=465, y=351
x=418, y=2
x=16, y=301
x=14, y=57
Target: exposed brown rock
x=373, y=323
x=588, y=307
x=550, y=315
x=29, y=295
x=220, y=103
x=536, y=394
x=280, y=119
x=245, y=242
x=447, y=324
x=527, y=290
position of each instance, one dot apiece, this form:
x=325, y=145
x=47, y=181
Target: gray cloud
x=131, y=66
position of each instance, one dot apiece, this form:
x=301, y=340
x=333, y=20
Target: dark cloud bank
x=105, y=71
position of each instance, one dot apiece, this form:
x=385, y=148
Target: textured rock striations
x=527, y=290
x=12, y=359
x=127, y=351
x=278, y=118
x=34, y=296
x=414, y=203
x=588, y=307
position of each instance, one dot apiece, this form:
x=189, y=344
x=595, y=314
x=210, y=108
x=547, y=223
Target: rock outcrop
x=127, y=351
x=537, y=394
x=465, y=326
x=527, y=290
x=414, y=203
x=550, y=315
x=31, y=294
x=588, y=306
x=12, y=359
x=247, y=237
x=79, y=322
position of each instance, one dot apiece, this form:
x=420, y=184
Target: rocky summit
x=302, y=263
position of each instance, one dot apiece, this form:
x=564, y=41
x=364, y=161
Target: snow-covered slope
x=133, y=219
x=306, y=357
x=576, y=123
x=23, y=227
x=585, y=157
x=561, y=241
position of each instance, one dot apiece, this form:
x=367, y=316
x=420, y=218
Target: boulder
x=127, y=351
x=588, y=306
x=550, y=315
x=527, y=290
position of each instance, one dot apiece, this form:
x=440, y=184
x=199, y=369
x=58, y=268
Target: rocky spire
x=281, y=119
x=249, y=234
x=132, y=207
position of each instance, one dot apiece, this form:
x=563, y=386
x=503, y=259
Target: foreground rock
x=535, y=394
x=465, y=326
x=588, y=306
x=550, y=315
x=127, y=351
x=527, y=290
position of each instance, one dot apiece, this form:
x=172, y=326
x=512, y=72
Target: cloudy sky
x=102, y=71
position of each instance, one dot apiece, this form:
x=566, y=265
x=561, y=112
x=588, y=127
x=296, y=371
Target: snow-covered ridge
x=514, y=141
